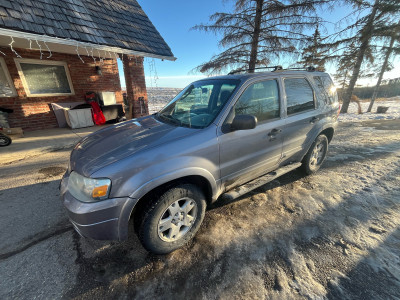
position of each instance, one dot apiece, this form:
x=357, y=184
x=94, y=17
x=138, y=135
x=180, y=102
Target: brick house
x=56, y=51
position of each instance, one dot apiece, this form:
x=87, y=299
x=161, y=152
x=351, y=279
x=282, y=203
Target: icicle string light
x=40, y=49
x=77, y=52
x=12, y=49
x=50, y=54
x=94, y=59
x=153, y=72
x=101, y=54
x=86, y=51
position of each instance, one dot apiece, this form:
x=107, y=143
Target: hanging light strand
x=50, y=54
x=77, y=52
x=94, y=59
x=12, y=49
x=40, y=49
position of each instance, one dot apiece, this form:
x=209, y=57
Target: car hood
x=117, y=142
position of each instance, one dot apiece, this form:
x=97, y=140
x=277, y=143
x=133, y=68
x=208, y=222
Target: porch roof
x=119, y=25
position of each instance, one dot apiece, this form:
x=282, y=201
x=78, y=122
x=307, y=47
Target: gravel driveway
x=331, y=235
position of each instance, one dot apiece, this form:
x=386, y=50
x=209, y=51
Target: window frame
x=43, y=62
x=286, y=102
x=276, y=79
x=9, y=79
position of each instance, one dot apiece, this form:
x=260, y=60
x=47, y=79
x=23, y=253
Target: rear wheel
x=316, y=155
x=173, y=219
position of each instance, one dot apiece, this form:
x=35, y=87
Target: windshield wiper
x=169, y=118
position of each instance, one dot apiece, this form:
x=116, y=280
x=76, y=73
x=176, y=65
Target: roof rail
x=309, y=69
x=275, y=68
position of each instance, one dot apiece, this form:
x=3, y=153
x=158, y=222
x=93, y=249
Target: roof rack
x=309, y=69
x=275, y=68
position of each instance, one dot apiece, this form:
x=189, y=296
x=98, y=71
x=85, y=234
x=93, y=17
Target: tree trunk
x=256, y=36
x=384, y=66
x=365, y=38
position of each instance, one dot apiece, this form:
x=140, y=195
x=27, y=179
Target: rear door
x=302, y=115
x=247, y=154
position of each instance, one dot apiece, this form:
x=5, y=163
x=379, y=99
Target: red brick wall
x=33, y=113
x=135, y=85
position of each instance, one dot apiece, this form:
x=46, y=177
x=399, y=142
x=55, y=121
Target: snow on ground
x=392, y=113
x=331, y=235
x=159, y=97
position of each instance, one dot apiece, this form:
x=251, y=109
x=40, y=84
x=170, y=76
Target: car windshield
x=198, y=104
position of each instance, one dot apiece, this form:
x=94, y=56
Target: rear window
x=327, y=89
x=299, y=95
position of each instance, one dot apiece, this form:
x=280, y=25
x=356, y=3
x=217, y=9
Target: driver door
x=248, y=154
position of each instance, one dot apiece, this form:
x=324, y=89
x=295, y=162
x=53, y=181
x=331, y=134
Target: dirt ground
x=332, y=235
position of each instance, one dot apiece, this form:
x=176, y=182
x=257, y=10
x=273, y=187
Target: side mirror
x=243, y=122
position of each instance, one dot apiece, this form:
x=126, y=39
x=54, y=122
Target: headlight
x=88, y=189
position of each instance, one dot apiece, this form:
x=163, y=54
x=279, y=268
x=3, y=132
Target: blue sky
x=174, y=19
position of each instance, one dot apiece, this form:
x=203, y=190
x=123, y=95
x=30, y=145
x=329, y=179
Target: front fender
x=138, y=193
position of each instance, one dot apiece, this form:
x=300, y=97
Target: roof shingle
x=115, y=23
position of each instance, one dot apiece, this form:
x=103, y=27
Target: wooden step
x=256, y=183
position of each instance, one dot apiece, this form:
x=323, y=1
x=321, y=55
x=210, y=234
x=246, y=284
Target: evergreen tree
x=359, y=36
x=312, y=54
x=394, y=33
x=259, y=31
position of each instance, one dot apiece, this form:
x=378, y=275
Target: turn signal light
x=100, y=191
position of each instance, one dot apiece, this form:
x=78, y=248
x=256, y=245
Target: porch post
x=135, y=86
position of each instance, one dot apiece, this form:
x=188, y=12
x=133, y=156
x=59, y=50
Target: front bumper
x=97, y=220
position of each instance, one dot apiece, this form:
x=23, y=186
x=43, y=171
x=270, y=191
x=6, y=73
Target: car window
x=299, y=95
x=225, y=93
x=260, y=99
x=199, y=103
x=326, y=88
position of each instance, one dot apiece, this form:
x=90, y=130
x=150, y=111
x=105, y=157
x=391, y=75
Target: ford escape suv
x=218, y=138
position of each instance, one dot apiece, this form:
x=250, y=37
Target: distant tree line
x=258, y=33
x=388, y=88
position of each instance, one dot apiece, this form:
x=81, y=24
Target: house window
x=44, y=78
x=6, y=85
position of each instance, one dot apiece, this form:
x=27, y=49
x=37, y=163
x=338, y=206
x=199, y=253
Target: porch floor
x=37, y=142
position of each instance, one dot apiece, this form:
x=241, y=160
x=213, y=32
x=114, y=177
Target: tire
x=173, y=219
x=4, y=140
x=315, y=155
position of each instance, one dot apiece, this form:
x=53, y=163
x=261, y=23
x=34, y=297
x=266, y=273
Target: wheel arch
x=142, y=203
x=328, y=132
x=140, y=198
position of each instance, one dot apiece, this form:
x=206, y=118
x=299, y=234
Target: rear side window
x=261, y=99
x=299, y=95
x=327, y=89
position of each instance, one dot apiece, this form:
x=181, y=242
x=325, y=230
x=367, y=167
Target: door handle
x=274, y=132
x=314, y=119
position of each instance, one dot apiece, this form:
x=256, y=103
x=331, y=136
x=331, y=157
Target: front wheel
x=316, y=155
x=173, y=219
x=4, y=140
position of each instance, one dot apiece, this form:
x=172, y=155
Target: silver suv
x=218, y=138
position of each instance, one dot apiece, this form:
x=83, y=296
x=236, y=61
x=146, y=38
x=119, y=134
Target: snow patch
x=392, y=113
